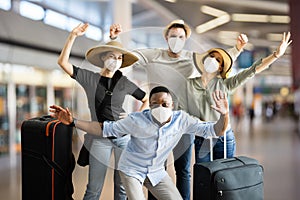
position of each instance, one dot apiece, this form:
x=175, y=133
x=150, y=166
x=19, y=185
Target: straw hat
x=94, y=54
x=227, y=61
x=180, y=22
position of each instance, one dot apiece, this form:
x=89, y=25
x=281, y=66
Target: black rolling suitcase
x=47, y=159
x=238, y=178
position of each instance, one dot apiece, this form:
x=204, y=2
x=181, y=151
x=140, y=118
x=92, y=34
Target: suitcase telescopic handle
x=211, y=147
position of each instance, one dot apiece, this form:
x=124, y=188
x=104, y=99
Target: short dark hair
x=159, y=89
x=176, y=26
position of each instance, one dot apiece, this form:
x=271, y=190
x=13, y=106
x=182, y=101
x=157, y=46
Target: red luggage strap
x=53, y=135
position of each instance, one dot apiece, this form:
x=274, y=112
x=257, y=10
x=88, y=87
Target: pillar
x=295, y=30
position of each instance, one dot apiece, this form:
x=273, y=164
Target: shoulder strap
x=109, y=92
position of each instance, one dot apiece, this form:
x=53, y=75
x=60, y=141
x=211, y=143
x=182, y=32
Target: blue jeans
x=100, y=153
x=202, y=149
x=182, y=156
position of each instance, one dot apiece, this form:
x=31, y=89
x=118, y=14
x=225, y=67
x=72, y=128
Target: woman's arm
x=285, y=42
x=63, y=59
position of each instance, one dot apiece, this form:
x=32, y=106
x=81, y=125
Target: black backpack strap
x=109, y=92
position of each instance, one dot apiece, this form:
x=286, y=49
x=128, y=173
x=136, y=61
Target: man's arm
x=65, y=116
x=114, y=31
x=145, y=103
x=241, y=42
x=221, y=105
x=234, y=52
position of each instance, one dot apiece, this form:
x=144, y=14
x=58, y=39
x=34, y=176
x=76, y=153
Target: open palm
x=285, y=42
x=80, y=29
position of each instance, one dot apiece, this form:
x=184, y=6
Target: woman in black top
x=105, y=92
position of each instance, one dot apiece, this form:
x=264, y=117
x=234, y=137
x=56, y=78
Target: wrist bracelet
x=275, y=55
x=113, y=38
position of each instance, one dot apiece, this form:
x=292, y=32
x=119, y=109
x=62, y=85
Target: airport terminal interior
x=264, y=112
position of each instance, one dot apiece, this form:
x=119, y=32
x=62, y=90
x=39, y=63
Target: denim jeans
x=100, y=154
x=182, y=156
x=202, y=148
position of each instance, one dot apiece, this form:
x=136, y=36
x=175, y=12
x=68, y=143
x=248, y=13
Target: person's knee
x=183, y=172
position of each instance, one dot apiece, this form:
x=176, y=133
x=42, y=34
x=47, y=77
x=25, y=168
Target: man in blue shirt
x=154, y=133
x=172, y=67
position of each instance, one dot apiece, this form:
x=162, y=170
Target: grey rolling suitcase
x=238, y=178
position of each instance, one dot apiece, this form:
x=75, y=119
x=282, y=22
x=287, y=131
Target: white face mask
x=211, y=65
x=176, y=44
x=161, y=114
x=112, y=64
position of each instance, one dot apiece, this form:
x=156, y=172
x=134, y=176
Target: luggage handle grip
x=45, y=118
x=211, y=147
x=51, y=164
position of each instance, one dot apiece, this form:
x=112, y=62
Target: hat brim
x=227, y=60
x=94, y=55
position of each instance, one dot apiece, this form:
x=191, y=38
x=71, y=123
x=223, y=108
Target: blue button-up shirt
x=150, y=143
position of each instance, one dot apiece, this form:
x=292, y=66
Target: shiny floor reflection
x=276, y=144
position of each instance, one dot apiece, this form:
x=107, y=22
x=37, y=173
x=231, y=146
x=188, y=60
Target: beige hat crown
x=94, y=54
x=181, y=22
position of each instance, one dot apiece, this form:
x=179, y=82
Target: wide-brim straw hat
x=181, y=22
x=227, y=61
x=94, y=54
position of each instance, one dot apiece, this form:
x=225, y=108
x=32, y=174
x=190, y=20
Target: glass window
x=4, y=126
x=31, y=11
x=56, y=19
x=31, y=102
x=5, y=4
x=23, y=111
x=94, y=33
x=64, y=98
x=72, y=24
x=39, y=101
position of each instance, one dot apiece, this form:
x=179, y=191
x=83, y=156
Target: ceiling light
x=228, y=34
x=274, y=37
x=212, y=11
x=260, y=18
x=280, y=19
x=249, y=18
x=171, y=1
x=213, y=23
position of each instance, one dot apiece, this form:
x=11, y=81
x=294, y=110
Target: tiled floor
x=275, y=144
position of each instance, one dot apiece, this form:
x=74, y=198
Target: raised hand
x=63, y=115
x=115, y=30
x=221, y=102
x=80, y=29
x=241, y=42
x=285, y=42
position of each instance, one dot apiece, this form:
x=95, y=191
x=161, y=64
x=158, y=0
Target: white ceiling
x=157, y=13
